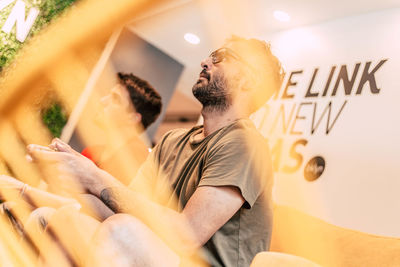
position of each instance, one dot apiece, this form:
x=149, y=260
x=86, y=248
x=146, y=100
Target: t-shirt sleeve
x=146, y=175
x=146, y=178
x=242, y=162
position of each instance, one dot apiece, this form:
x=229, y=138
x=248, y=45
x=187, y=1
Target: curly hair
x=144, y=97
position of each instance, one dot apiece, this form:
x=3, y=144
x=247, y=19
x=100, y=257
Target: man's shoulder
x=175, y=134
x=243, y=131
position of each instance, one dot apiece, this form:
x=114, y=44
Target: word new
x=17, y=17
x=302, y=111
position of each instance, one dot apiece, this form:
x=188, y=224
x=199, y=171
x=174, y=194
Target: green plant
x=55, y=119
x=49, y=10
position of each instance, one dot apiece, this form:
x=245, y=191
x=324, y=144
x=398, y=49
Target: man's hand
x=69, y=169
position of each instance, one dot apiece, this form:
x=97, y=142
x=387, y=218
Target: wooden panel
x=14, y=151
x=100, y=17
x=27, y=117
x=3, y=167
x=68, y=78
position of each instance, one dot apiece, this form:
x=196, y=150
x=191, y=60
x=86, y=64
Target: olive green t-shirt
x=235, y=155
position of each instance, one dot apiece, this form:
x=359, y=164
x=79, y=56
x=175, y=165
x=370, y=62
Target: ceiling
x=214, y=20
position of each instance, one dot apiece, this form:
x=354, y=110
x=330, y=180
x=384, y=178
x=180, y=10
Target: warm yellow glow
x=57, y=65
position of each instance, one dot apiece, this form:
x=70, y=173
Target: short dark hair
x=144, y=97
x=268, y=70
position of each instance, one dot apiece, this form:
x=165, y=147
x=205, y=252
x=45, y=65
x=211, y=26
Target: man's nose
x=206, y=63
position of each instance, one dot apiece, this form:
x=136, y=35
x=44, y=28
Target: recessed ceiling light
x=192, y=38
x=281, y=15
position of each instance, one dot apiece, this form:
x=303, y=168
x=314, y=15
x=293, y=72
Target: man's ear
x=136, y=117
x=249, y=81
x=246, y=84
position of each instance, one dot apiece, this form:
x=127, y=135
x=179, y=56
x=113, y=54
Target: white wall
x=360, y=185
x=132, y=54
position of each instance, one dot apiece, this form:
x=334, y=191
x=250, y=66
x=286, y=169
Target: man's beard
x=214, y=95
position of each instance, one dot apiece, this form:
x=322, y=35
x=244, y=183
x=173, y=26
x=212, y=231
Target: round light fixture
x=281, y=16
x=192, y=38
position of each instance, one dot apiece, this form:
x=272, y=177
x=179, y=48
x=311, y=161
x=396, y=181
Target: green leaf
x=55, y=119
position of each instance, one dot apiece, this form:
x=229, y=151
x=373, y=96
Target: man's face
x=116, y=101
x=215, y=87
x=116, y=106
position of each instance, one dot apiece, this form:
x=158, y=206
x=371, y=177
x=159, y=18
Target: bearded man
x=208, y=188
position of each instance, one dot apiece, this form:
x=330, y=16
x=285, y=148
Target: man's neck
x=117, y=136
x=215, y=120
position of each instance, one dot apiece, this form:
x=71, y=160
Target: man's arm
x=207, y=210
x=94, y=207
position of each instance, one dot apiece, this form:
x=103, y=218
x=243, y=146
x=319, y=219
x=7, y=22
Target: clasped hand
x=64, y=167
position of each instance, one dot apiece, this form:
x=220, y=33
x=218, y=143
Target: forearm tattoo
x=115, y=198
